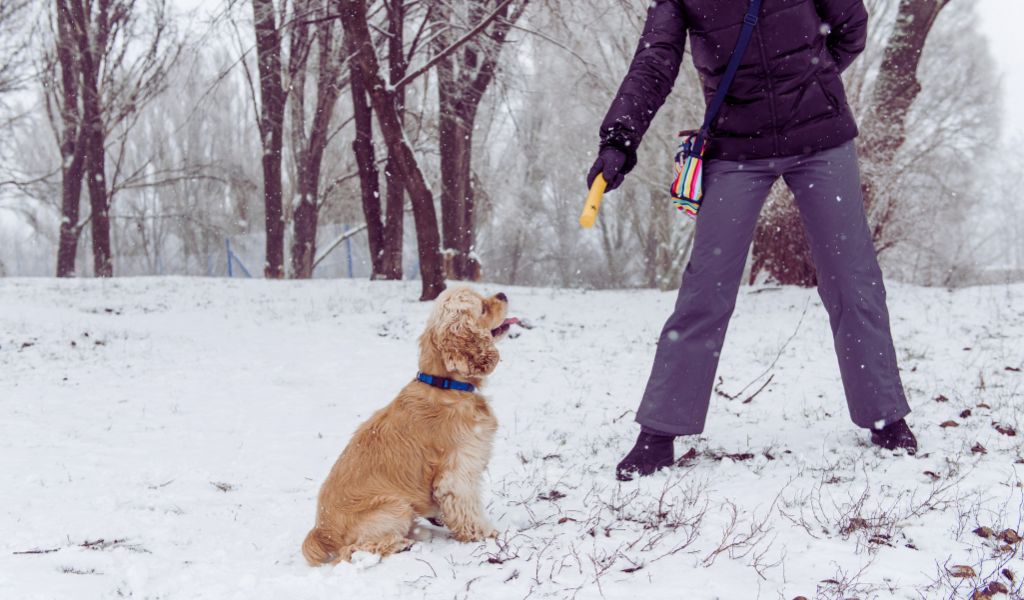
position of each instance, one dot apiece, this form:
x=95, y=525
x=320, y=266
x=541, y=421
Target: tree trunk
x=305, y=220
x=71, y=193
x=394, y=232
x=94, y=36
x=72, y=148
x=395, y=194
x=311, y=153
x=467, y=266
x=463, y=78
x=780, y=247
x=385, y=228
x=455, y=139
x=369, y=179
x=364, y=59
x=896, y=89
x=271, y=122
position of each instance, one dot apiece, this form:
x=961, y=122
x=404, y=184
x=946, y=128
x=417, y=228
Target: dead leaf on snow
x=961, y=571
x=854, y=524
x=1010, y=536
x=977, y=448
x=982, y=405
x=1004, y=429
x=685, y=459
x=739, y=456
x=997, y=587
x=950, y=423
x=935, y=476
x=1007, y=573
x=965, y=413
x=985, y=532
x=941, y=398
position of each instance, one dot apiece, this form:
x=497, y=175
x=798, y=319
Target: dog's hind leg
x=382, y=546
x=382, y=530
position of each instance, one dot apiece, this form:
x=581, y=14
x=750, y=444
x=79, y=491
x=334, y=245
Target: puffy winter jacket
x=787, y=98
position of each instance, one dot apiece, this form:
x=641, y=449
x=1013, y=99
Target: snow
x=167, y=438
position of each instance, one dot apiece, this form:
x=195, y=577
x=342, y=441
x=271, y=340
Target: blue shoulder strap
x=749, y=21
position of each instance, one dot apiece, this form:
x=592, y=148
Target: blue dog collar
x=445, y=384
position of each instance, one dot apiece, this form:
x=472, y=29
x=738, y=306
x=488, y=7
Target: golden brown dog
x=424, y=453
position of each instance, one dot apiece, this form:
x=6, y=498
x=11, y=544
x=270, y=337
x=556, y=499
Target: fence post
x=227, y=246
x=348, y=251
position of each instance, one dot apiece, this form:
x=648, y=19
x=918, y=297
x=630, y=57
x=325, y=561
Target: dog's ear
x=465, y=347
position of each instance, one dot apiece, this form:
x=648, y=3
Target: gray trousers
x=827, y=188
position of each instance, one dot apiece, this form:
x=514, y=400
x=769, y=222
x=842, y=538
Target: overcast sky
x=1003, y=20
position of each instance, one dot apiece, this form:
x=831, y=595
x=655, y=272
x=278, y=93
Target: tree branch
x=455, y=46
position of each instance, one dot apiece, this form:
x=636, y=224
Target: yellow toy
x=593, y=202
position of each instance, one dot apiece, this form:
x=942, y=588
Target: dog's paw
x=475, y=533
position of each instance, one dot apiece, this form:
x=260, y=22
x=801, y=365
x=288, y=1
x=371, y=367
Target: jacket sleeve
x=848, y=29
x=650, y=78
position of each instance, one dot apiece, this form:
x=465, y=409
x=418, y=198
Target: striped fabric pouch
x=687, y=190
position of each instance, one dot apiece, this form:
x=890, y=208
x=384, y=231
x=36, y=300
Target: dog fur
x=424, y=453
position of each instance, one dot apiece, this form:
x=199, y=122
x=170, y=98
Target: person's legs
x=679, y=389
x=827, y=189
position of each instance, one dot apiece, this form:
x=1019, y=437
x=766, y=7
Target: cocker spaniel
x=424, y=453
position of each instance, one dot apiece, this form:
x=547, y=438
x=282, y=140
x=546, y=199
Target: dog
x=424, y=453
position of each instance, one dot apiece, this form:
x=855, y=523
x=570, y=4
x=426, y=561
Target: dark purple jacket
x=787, y=97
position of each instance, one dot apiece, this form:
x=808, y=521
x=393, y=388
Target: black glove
x=613, y=163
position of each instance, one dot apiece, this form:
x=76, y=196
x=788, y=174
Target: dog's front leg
x=458, y=493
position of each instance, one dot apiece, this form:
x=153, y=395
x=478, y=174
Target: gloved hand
x=614, y=164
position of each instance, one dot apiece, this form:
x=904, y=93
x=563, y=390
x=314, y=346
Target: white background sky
x=1003, y=21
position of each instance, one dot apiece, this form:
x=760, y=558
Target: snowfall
x=166, y=438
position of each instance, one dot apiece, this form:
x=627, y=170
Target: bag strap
x=749, y=21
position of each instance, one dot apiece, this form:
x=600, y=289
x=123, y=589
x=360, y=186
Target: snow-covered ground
x=166, y=438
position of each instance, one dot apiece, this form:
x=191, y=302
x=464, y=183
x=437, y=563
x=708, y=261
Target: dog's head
x=461, y=333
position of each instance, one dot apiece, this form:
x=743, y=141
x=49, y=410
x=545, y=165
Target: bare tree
x=308, y=147
x=369, y=177
x=365, y=61
x=463, y=78
x=273, y=97
x=108, y=70
x=72, y=142
x=398, y=65
x=897, y=87
x=13, y=44
x=385, y=227
x=780, y=247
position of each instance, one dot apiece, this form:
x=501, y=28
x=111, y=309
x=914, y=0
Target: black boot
x=651, y=453
x=895, y=435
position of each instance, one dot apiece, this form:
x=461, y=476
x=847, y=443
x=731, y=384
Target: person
x=785, y=115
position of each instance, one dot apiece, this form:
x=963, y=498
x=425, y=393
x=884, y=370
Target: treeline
x=450, y=136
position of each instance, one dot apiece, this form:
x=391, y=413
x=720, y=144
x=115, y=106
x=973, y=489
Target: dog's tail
x=319, y=548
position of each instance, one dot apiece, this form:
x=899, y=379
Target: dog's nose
x=501, y=296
